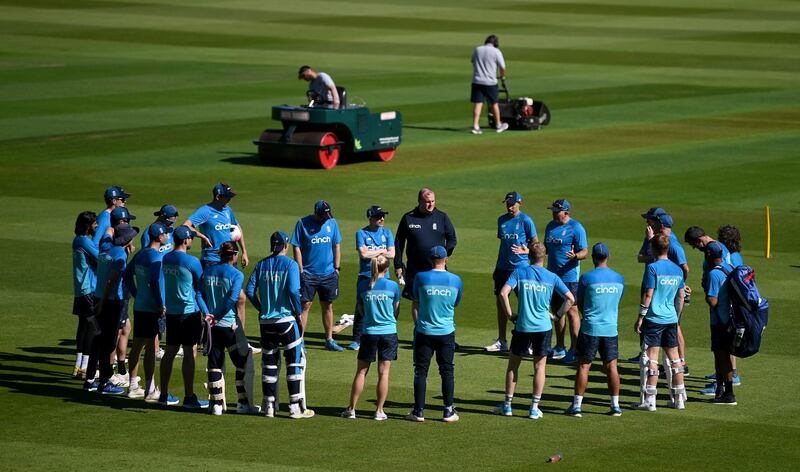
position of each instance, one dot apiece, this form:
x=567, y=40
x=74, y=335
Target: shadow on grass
x=253, y=159
x=438, y=128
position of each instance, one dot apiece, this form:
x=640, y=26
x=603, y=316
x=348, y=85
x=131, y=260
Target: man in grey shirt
x=486, y=60
x=321, y=89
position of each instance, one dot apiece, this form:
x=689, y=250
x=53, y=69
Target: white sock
x=577, y=400
x=85, y=362
x=78, y=360
x=134, y=382
x=615, y=401
x=650, y=399
x=536, y=400
x=509, y=399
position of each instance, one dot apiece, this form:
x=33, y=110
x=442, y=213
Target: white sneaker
x=502, y=128
x=643, y=406
x=160, y=353
x=120, y=380
x=477, y=131
x=296, y=413
x=497, y=346
x=345, y=321
x=349, y=414
x=247, y=409
x=136, y=393
x=153, y=396
x=268, y=408
x=180, y=352
x=254, y=350
x=216, y=409
x=380, y=416
x=677, y=404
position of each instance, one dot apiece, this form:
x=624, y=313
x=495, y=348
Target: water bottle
x=555, y=458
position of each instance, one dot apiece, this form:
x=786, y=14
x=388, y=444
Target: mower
x=318, y=135
x=521, y=113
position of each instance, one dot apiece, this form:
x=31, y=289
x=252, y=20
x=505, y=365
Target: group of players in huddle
x=202, y=302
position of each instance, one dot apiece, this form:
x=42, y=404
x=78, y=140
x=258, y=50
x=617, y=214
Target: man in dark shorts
x=487, y=65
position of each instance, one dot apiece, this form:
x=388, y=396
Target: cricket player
x=84, y=283
x=166, y=215
x=516, y=232
x=213, y=223
x=437, y=293
x=114, y=197
x=599, y=294
x=274, y=289
x=535, y=287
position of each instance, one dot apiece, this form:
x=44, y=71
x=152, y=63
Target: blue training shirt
x=84, y=265
x=666, y=279
x=599, y=294
x=222, y=284
x=145, y=280
x=561, y=239
x=377, y=305
x=534, y=287
x=379, y=239
x=726, y=258
x=111, y=258
x=216, y=225
x=274, y=289
x=719, y=315
x=103, y=223
x=182, y=284
x=438, y=293
x=316, y=242
x=513, y=230
x=736, y=259
x=675, y=253
x=168, y=245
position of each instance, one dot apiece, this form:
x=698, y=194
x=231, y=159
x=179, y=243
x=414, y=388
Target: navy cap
x=562, y=204
x=664, y=220
x=513, y=197
x=121, y=213
x=167, y=210
x=438, y=252
x=157, y=229
x=115, y=191
x=653, y=213
x=376, y=212
x=278, y=241
x=600, y=251
x=184, y=232
x=224, y=190
x=323, y=209
x=124, y=234
x=714, y=250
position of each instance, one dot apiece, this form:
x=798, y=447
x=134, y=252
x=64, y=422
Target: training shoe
x=90, y=386
x=111, y=389
x=120, y=380
x=737, y=380
x=268, y=408
x=160, y=353
x=503, y=410
x=711, y=376
x=502, y=127
x=136, y=393
x=180, y=352
x=331, y=345
x=500, y=345
x=615, y=411
x=535, y=414
x=727, y=399
x=380, y=416
x=558, y=353
x=296, y=413
x=192, y=403
x=569, y=358
x=216, y=409
x=247, y=409
x=573, y=411
x=710, y=389
x=349, y=414
x=354, y=346
x=168, y=399
x=450, y=415
x=153, y=396
x=254, y=350
x=476, y=131
x=418, y=416
x=677, y=405
x=643, y=406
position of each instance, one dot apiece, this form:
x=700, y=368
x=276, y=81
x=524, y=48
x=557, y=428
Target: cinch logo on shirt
x=439, y=291
x=509, y=236
x=171, y=270
x=221, y=226
x=267, y=277
x=373, y=247
x=413, y=226
x=376, y=297
x=166, y=248
x=554, y=240
x=536, y=287
x=320, y=240
x=606, y=290
x=668, y=281
x=214, y=282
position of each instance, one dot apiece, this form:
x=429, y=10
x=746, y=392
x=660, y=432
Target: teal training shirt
x=378, y=305
x=222, y=284
x=182, y=284
x=438, y=293
x=599, y=294
x=534, y=287
x=666, y=279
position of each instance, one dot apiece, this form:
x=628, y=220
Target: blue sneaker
x=168, y=399
x=192, y=403
x=615, y=411
x=558, y=352
x=90, y=386
x=573, y=411
x=737, y=380
x=535, y=414
x=331, y=345
x=111, y=389
x=569, y=358
x=503, y=410
x=711, y=376
x=354, y=346
x=710, y=389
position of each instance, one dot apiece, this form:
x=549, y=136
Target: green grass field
x=692, y=106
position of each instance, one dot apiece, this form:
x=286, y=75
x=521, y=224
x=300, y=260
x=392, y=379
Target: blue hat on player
x=124, y=234
x=600, y=251
x=184, y=232
x=157, y=229
x=278, y=241
x=512, y=198
x=223, y=190
x=376, y=212
x=323, y=210
x=167, y=210
x=438, y=252
x=120, y=214
x=714, y=250
x=664, y=220
x=653, y=213
x=115, y=191
x=562, y=204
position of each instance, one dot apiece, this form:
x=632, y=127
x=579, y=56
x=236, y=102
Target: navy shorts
x=83, y=306
x=500, y=277
x=484, y=93
x=539, y=342
x=384, y=346
x=145, y=324
x=557, y=300
x=588, y=347
x=327, y=286
x=184, y=330
x=721, y=338
x=659, y=335
x=123, y=313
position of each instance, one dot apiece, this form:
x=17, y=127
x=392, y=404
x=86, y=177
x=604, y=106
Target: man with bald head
x=420, y=230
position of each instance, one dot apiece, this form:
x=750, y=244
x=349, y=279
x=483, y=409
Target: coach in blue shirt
x=213, y=223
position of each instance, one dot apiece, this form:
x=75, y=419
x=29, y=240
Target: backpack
x=749, y=312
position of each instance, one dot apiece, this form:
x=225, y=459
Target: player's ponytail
x=378, y=266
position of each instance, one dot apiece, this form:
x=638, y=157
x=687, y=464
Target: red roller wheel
x=328, y=159
x=385, y=154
